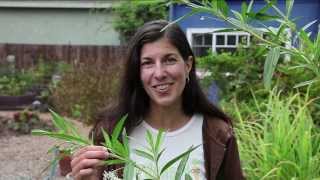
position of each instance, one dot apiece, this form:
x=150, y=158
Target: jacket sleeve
x=230, y=168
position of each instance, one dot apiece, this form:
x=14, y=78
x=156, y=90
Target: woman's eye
x=146, y=63
x=170, y=61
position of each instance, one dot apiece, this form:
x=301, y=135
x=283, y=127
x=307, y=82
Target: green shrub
x=133, y=14
x=235, y=73
x=85, y=89
x=19, y=82
x=278, y=139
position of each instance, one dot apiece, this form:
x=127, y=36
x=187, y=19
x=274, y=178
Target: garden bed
x=16, y=102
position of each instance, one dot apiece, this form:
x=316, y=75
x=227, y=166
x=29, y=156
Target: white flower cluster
x=111, y=175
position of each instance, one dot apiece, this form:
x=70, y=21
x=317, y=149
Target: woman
x=160, y=90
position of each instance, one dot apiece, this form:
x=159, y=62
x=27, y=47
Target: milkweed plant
x=117, y=144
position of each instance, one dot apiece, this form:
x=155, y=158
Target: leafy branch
x=118, y=146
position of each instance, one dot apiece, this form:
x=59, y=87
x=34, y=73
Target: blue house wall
x=305, y=10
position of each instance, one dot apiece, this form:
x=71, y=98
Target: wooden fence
x=26, y=55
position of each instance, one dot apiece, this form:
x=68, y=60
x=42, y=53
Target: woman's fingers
x=84, y=173
x=86, y=160
x=89, y=148
x=86, y=164
x=89, y=155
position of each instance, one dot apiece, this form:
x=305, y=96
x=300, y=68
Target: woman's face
x=163, y=72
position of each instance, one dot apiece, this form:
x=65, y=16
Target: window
x=203, y=39
x=229, y=41
x=201, y=43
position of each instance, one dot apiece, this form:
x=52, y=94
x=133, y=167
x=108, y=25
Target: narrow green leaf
x=128, y=172
x=125, y=140
x=118, y=128
x=150, y=140
x=289, y=5
x=223, y=7
x=159, y=155
x=316, y=49
x=306, y=83
x=174, y=160
x=159, y=140
x=58, y=121
x=119, y=149
x=106, y=138
x=181, y=167
x=144, y=154
x=270, y=65
x=113, y=161
x=193, y=11
x=250, y=6
x=305, y=27
x=238, y=15
x=187, y=177
x=244, y=9
x=61, y=136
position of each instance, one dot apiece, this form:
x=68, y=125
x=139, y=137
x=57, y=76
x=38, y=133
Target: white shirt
x=175, y=143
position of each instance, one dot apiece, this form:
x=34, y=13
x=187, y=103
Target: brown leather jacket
x=220, y=148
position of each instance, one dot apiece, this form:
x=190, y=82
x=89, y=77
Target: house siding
x=81, y=26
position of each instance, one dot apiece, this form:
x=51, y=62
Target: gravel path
x=25, y=157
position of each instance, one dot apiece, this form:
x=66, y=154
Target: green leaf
x=187, y=177
x=223, y=7
x=238, y=15
x=181, y=167
x=289, y=5
x=159, y=140
x=119, y=149
x=113, y=161
x=125, y=141
x=62, y=124
x=193, y=11
x=118, y=128
x=305, y=83
x=244, y=9
x=159, y=155
x=177, y=158
x=144, y=154
x=106, y=139
x=128, y=172
x=61, y=136
x=150, y=140
x=305, y=27
x=316, y=48
x=270, y=65
x=58, y=121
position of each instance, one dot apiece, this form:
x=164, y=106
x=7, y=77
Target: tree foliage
x=133, y=14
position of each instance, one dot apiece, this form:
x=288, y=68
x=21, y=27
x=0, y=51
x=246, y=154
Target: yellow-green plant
x=280, y=140
x=118, y=146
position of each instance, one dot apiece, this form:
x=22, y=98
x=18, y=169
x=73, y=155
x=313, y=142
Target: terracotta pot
x=65, y=164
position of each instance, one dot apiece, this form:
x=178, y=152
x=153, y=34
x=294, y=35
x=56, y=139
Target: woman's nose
x=159, y=71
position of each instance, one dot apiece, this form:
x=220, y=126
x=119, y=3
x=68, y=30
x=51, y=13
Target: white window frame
x=191, y=31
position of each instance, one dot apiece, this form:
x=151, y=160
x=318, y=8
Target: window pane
x=197, y=39
x=220, y=40
x=243, y=40
x=208, y=39
x=231, y=39
x=200, y=51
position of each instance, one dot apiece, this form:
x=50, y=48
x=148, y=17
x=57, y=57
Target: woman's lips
x=162, y=88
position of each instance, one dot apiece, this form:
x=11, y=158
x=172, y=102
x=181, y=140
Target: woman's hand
x=85, y=162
